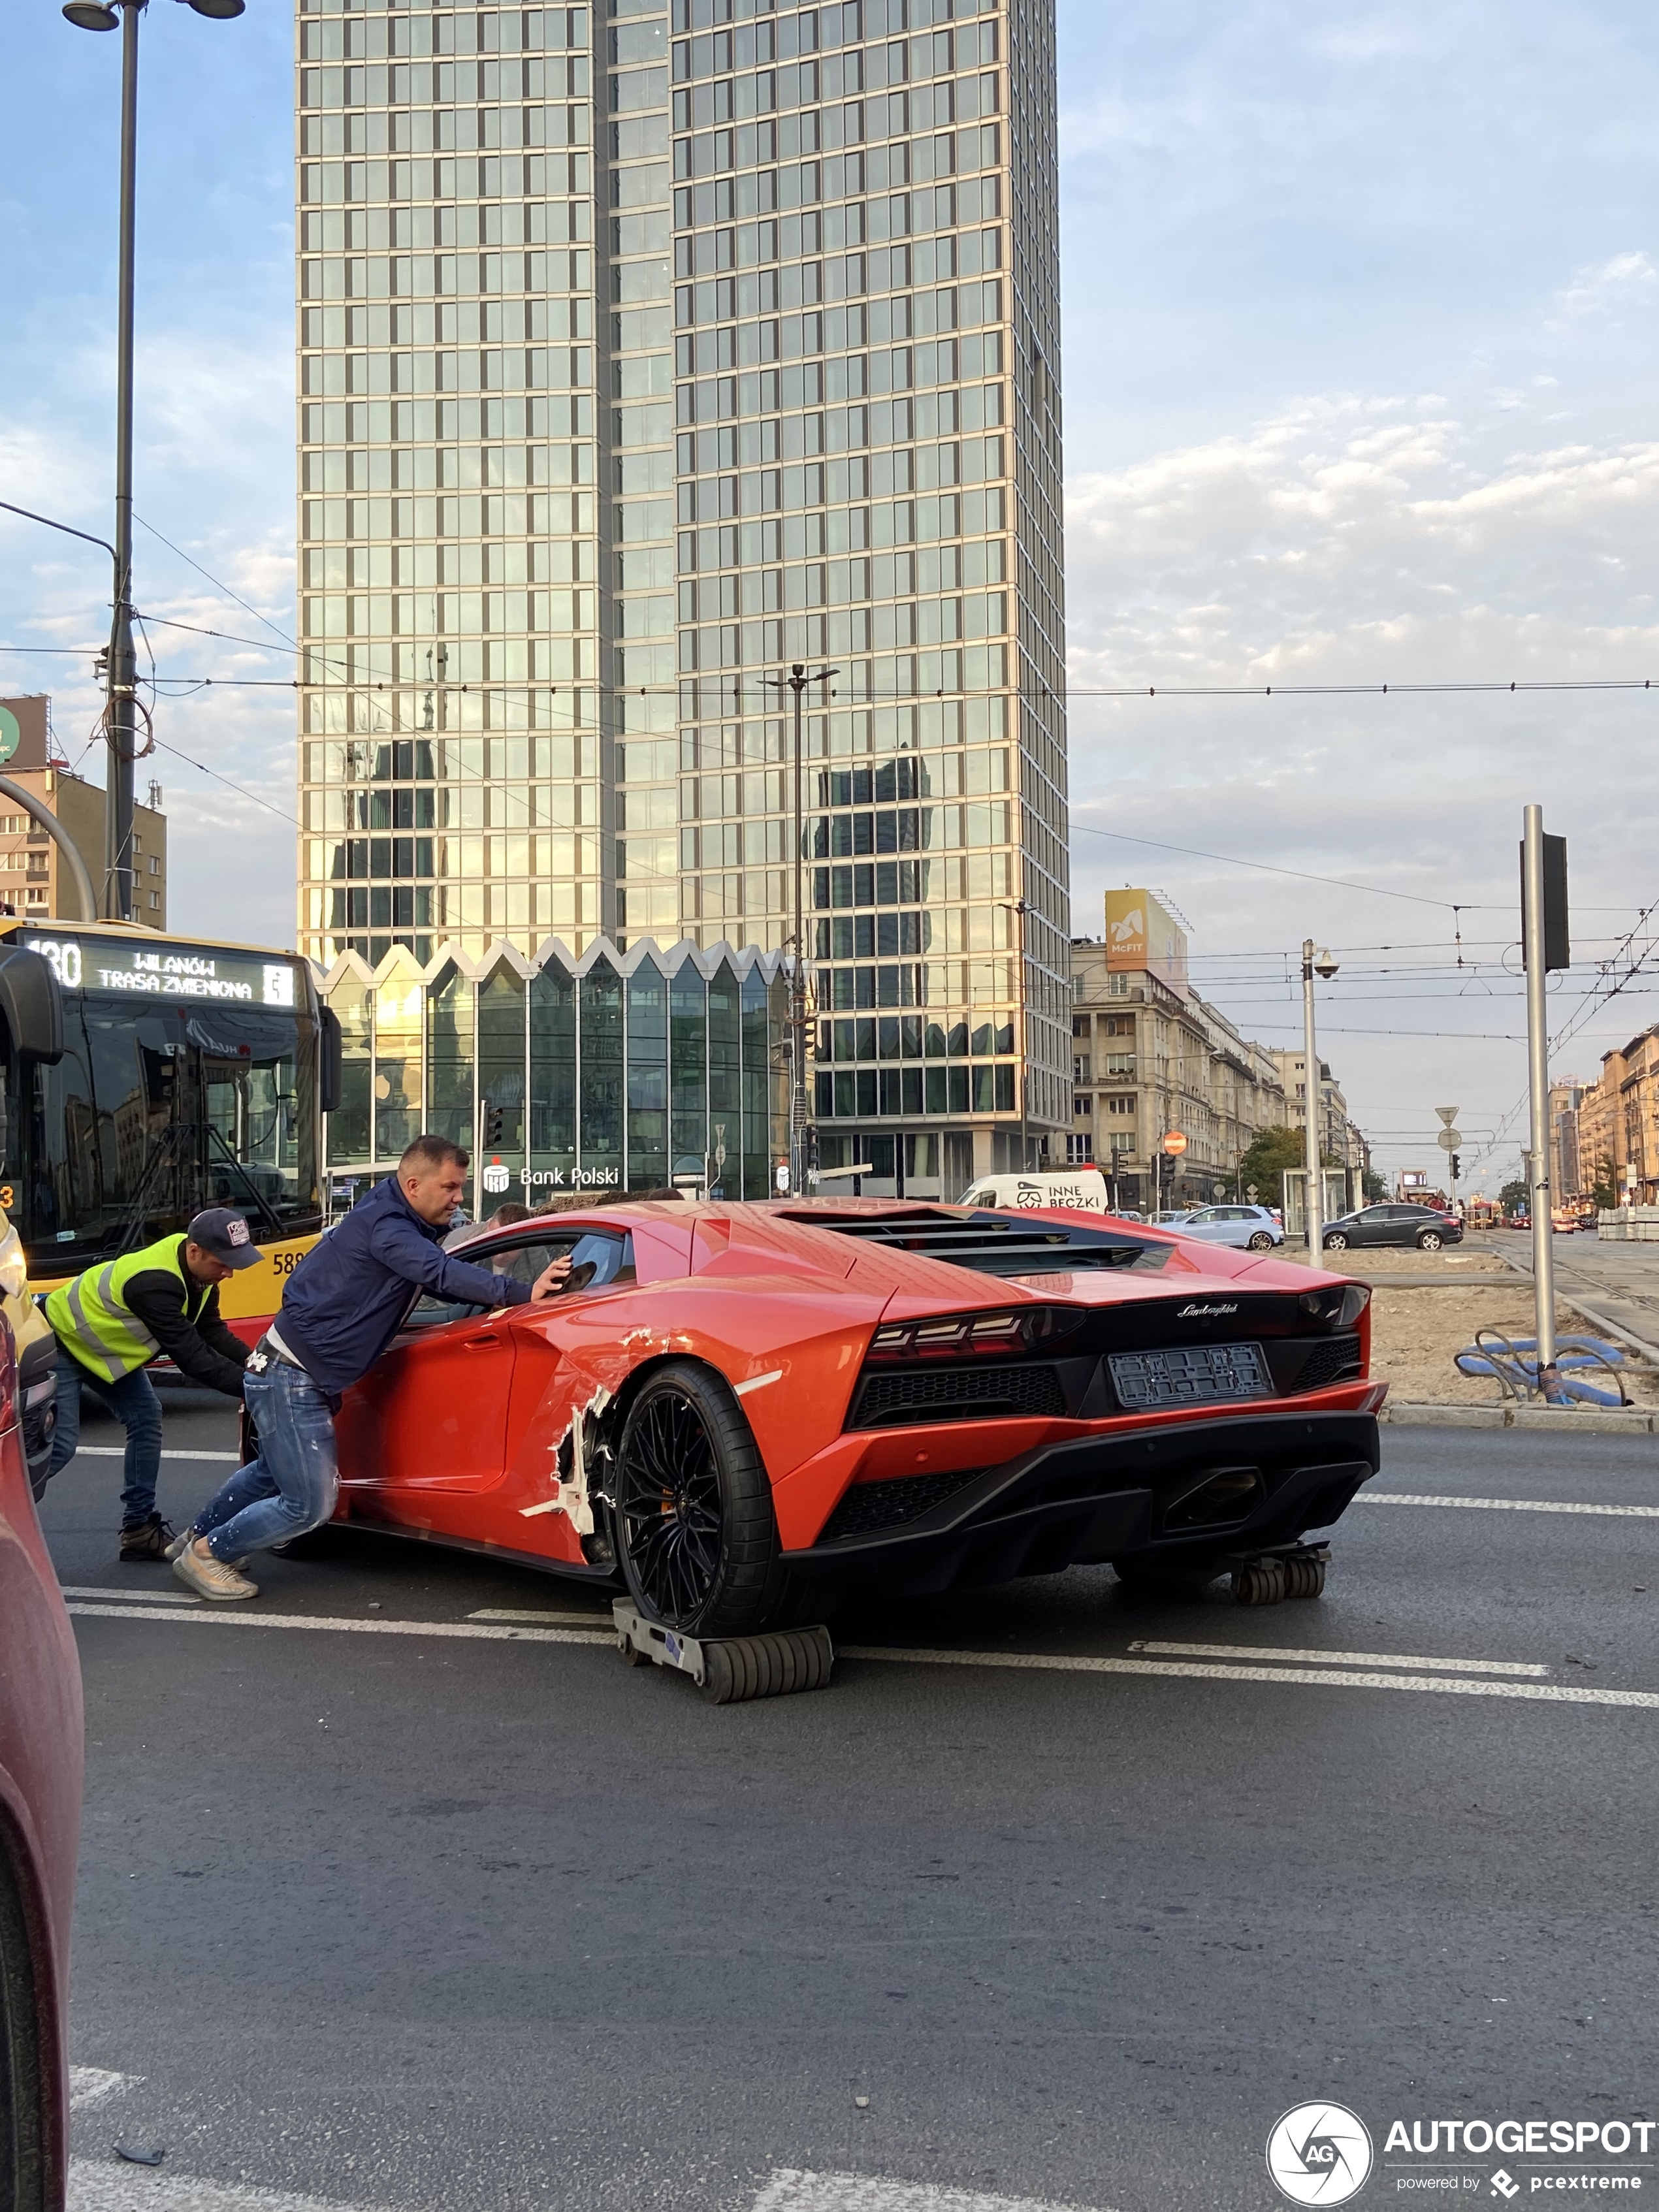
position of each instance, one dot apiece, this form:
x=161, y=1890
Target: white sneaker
x=180, y=1544
x=211, y=1577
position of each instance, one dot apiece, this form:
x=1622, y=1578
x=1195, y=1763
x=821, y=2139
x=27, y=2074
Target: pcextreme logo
x=1319, y=2154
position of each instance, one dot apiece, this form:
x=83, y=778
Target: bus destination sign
x=169, y=971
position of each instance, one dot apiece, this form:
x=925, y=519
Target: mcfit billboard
x=1141, y=934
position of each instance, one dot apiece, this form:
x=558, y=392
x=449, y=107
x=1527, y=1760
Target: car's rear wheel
x=696, y=1535
x=1261, y=1242
x=1430, y=1241
x=1336, y=1243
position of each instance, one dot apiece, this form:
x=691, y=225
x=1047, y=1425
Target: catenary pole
x=121, y=716
x=1314, y=1208
x=1537, y=1085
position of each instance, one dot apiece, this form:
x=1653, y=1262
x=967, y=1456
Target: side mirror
x=32, y=1006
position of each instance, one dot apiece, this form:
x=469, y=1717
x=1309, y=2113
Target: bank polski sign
x=497, y=1177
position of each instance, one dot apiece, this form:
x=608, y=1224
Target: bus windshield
x=189, y=1079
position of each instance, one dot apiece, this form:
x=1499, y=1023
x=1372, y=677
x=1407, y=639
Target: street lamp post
x=121, y=673
x=796, y=683
x=1325, y=966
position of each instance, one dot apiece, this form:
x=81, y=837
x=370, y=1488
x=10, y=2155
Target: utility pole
x=1314, y=1206
x=796, y=683
x=1543, y=941
x=121, y=670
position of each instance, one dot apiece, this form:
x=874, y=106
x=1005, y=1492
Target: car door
x=1206, y=1222
x=431, y=1413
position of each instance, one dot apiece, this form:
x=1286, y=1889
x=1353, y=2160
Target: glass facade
x=617, y=1071
x=646, y=350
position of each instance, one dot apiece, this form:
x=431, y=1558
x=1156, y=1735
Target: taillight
x=1339, y=1306
x=951, y=1335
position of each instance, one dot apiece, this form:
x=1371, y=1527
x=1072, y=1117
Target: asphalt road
x=470, y=1923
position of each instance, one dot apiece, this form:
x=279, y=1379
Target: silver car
x=1249, y=1228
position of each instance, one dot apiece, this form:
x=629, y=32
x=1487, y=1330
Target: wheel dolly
x=729, y=1670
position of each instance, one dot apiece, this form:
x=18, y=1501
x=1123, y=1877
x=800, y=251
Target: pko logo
x=495, y=1177
x=1319, y=2155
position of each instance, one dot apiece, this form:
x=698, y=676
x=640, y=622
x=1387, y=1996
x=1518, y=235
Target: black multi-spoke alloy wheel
x=696, y=1533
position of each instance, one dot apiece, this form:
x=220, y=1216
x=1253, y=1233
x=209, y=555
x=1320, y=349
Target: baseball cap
x=225, y=1235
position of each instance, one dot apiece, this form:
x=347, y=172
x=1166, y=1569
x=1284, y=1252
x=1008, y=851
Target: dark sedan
x=1425, y=1227
x=40, y=1827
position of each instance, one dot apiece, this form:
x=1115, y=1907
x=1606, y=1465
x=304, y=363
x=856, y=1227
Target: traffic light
x=495, y=1120
x=1456, y=1167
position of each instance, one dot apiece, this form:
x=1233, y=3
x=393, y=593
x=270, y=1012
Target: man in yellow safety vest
x=112, y=1322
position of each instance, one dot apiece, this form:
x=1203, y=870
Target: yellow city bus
x=144, y=1077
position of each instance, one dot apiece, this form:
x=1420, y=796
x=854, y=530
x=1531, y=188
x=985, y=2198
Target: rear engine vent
x=870, y=1507
x=1332, y=1359
x=980, y=1392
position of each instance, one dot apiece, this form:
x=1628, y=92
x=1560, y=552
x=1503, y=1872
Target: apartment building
x=1617, y=1123
x=1566, y=1096
x=31, y=867
x=1340, y=1141
x=1149, y=1056
x=645, y=356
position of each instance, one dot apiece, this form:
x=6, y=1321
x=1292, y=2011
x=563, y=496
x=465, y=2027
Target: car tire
x=31, y=2179
x=1337, y=1243
x=687, y=1457
x=1430, y=1241
x=1261, y=1242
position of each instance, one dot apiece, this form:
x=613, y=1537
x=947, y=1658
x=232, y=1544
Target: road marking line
x=1502, y=1504
x=1194, y=1670
x=97, y=2186
x=1259, y=1651
x=790, y=2191
x=90, y=2085
x=551, y=1620
x=119, y=1451
x=1335, y=1677
x=133, y=1596
x=219, y=1615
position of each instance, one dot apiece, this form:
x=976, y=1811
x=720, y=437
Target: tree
x=1377, y=1186
x=1272, y=1152
x=1513, y=1196
x=1604, y=1188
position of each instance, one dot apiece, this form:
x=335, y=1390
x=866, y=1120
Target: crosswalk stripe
x=1504, y=1504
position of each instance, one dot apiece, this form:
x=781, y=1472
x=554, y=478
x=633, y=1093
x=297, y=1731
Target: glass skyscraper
x=645, y=353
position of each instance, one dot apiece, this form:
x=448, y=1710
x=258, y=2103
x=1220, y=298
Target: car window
x=598, y=1258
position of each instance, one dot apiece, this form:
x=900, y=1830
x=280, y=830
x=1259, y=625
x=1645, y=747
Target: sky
x=1360, y=311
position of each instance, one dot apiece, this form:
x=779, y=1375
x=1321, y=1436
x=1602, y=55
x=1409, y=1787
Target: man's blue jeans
x=134, y=1403
x=293, y=1483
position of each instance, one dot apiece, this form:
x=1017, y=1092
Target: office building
x=644, y=355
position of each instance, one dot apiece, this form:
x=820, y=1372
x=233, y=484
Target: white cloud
x=1606, y=293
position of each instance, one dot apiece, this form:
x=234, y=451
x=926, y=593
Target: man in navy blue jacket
x=342, y=1305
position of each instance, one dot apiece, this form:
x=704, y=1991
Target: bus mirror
x=330, y=1043
x=32, y=1005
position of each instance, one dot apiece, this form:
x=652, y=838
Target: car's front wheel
x=1430, y=1241
x=1336, y=1243
x=696, y=1535
x=1261, y=1242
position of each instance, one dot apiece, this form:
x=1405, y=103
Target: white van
x=1080, y=1190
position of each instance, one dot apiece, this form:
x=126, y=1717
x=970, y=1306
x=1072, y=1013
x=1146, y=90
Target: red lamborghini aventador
x=736, y=1408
